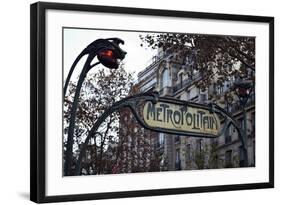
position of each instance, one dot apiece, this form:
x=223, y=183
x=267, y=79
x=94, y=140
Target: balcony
x=152, y=62
x=166, y=91
x=188, y=82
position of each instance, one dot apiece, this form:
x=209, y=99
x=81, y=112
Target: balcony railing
x=187, y=82
x=153, y=61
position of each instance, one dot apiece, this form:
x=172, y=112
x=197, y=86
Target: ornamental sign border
x=186, y=117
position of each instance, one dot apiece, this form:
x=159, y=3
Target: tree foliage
x=217, y=58
x=99, y=91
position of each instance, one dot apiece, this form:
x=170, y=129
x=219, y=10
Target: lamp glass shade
x=108, y=59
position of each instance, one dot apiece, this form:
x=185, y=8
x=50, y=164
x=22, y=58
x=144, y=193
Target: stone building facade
x=174, y=76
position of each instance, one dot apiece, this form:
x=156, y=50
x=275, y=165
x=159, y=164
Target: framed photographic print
x=129, y=102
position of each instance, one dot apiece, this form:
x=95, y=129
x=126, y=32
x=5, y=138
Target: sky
x=75, y=40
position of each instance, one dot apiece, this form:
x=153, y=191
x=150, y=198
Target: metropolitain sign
x=181, y=118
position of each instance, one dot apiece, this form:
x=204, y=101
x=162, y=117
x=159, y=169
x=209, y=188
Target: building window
x=160, y=142
x=165, y=80
x=178, y=160
x=241, y=156
x=181, y=79
x=177, y=139
x=241, y=123
x=227, y=139
x=253, y=122
x=220, y=89
x=203, y=97
x=188, y=152
x=188, y=95
x=199, y=145
x=228, y=158
x=227, y=136
x=178, y=155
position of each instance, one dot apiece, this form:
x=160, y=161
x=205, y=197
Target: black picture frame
x=38, y=101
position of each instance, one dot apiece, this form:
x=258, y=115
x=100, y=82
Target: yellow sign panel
x=181, y=118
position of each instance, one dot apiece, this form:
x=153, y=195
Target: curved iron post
x=220, y=110
x=87, y=66
x=92, y=50
x=71, y=71
x=233, y=122
x=126, y=102
x=227, y=124
x=71, y=128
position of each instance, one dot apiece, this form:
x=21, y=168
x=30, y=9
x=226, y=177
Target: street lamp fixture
x=108, y=54
x=108, y=59
x=243, y=91
x=107, y=51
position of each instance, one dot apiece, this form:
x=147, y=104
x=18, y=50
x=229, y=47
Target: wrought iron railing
x=153, y=61
x=187, y=82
